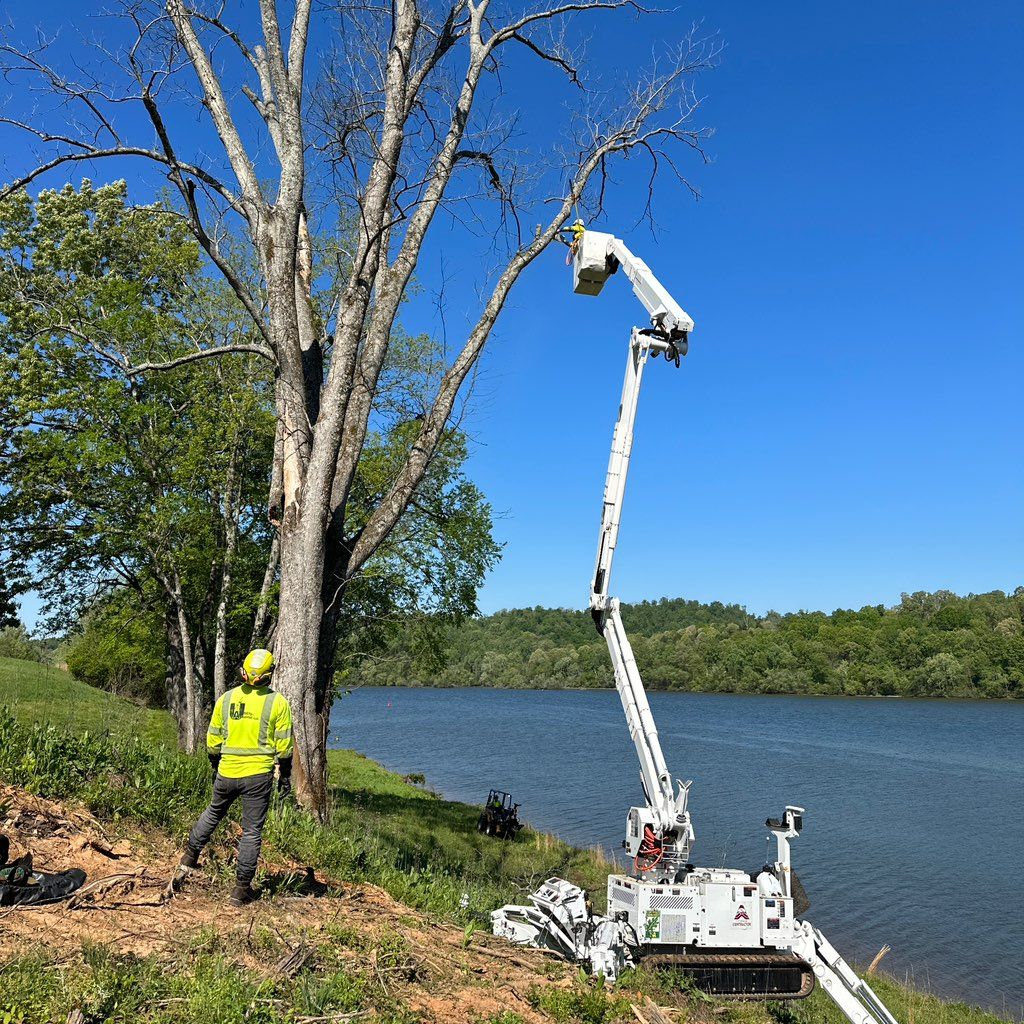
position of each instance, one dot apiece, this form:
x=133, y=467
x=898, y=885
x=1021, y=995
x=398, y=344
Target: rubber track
x=736, y=961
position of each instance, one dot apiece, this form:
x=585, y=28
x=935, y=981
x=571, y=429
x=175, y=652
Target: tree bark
x=297, y=644
x=231, y=500
x=191, y=705
x=262, y=627
x=174, y=676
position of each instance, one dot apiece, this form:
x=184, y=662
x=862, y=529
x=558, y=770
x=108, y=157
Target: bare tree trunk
x=262, y=627
x=190, y=709
x=174, y=677
x=220, y=653
x=231, y=501
x=297, y=649
x=192, y=705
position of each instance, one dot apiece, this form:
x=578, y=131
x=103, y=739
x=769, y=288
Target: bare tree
x=413, y=111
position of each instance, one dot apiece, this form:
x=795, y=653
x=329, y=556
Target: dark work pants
x=254, y=792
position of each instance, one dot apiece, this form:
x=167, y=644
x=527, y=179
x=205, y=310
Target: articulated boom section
x=736, y=934
x=658, y=836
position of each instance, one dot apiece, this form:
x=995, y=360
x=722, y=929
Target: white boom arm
x=595, y=257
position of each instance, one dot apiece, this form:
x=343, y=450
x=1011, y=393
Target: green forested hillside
x=938, y=645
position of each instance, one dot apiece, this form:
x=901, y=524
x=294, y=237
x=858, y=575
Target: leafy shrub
x=115, y=777
x=16, y=643
x=586, y=1004
x=120, y=649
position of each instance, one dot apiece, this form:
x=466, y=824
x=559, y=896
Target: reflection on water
x=914, y=833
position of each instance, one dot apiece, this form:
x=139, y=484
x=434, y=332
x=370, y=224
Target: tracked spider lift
x=737, y=935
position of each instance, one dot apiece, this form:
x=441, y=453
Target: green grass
x=204, y=982
x=41, y=693
x=356, y=773
x=906, y=1003
x=199, y=983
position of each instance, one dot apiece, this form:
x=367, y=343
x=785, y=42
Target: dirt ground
x=125, y=903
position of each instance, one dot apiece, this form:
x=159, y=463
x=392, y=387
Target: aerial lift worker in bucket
x=736, y=934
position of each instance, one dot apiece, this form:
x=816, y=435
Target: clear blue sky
x=847, y=425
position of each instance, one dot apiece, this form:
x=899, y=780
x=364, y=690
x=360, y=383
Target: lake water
x=914, y=832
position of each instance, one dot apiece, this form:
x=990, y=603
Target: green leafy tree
x=133, y=492
x=115, y=477
x=120, y=648
x=8, y=606
x=12, y=585
x=933, y=645
x=16, y=643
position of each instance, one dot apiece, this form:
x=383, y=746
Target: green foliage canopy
x=114, y=478
x=117, y=486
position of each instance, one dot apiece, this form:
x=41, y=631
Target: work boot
x=242, y=894
x=189, y=859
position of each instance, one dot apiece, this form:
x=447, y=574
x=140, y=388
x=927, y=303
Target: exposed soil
x=126, y=903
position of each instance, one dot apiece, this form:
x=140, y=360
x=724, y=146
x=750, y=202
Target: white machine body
x=667, y=907
x=711, y=908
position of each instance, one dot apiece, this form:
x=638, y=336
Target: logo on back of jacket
x=237, y=711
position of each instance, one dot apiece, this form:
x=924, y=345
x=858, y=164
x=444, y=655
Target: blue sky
x=847, y=425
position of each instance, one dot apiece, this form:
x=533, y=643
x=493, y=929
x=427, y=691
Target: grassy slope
x=40, y=693
x=422, y=849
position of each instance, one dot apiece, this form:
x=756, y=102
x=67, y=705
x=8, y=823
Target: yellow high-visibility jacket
x=250, y=727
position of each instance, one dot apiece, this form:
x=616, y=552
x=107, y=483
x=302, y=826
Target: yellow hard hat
x=258, y=664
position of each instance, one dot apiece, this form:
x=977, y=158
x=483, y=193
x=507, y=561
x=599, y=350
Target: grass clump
x=208, y=985
x=29, y=989
x=116, y=776
x=590, y=1002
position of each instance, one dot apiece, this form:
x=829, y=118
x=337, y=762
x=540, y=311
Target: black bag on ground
x=20, y=886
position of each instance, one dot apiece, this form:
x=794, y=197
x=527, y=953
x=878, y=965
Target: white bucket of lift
x=590, y=263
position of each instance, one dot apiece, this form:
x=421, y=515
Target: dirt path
x=124, y=904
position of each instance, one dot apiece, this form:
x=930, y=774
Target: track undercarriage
x=736, y=975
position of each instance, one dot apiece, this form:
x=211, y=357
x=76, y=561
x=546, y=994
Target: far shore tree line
x=929, y=645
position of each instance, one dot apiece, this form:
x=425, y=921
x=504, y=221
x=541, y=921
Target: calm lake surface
x=914, y=832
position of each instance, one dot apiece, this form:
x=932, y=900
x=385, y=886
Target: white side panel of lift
x=590, y=263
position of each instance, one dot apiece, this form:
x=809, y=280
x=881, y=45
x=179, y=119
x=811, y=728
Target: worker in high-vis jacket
x=250, y=729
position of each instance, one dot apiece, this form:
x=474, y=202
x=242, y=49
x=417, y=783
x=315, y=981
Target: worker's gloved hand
x=214, y=763
x=284, y=776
